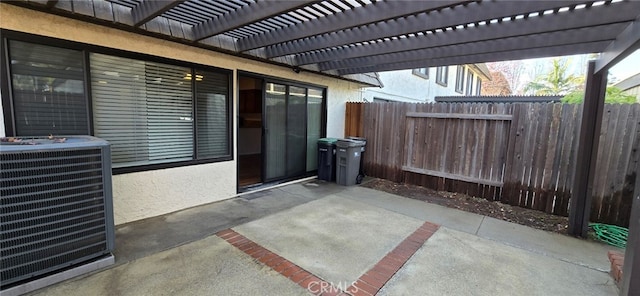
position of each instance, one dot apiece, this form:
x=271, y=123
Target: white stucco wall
x=146, y=194
x=404, y=86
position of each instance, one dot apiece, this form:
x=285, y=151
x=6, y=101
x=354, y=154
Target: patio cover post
x=587, y=151
x=631, y=268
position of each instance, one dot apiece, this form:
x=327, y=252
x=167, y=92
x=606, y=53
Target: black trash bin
x=327, y=159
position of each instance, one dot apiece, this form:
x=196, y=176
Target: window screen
x=144, y=109
x=48, y=90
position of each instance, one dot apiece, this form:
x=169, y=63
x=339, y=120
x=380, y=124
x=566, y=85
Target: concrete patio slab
x=458, y=263
x=341, y=234
x=451, y=218
x=335, y=238
x=566, y=248
x=149, y=236
x=209, y=266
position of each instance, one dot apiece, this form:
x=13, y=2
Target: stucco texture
x=147, y=194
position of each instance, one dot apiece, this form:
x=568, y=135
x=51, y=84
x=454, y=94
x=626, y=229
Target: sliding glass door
x=293, y=124
x=275, y=131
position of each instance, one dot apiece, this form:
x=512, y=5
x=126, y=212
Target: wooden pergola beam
x=585, y=170
x=626, y=43
x=149, y=9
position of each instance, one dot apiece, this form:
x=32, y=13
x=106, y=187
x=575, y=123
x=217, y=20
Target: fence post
x=631, y=267
x=582, y=189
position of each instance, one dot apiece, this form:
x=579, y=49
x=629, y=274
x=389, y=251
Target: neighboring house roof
x=497, y=86
x=500, y=99
x=629, y=83
x=483, y=70
x=345, y=37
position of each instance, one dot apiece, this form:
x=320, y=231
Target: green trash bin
x=348, y=163
x=327, y=159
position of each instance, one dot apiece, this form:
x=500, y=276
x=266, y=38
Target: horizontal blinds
x=143, y=109
x=48, y=90
x=212, y=107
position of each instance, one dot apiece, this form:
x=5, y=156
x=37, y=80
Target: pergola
x=353, y=39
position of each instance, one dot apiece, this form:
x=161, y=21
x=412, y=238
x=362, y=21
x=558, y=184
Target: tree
x=555, y=82
x=511, y=72
x=613, y=95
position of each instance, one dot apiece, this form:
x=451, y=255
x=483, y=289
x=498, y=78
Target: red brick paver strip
x=368, y=284
x=373, y=280
x=286, y=268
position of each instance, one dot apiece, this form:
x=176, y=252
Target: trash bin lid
x=327, y=140
x=358, y=139
x=346, y=143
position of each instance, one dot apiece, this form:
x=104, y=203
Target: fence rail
x=521, y=154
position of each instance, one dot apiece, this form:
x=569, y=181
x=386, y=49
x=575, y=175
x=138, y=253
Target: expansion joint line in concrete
x=368, y=284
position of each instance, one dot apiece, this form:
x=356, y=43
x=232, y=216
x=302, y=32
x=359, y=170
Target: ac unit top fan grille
x=53, y=210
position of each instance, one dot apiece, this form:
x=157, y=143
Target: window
x=154, y=114
x=145, y=110
x=48, y=90
x=478, y=86
x=421, y=72
x=212, y=114
x=469, y=83
x=460, y=79
x=442, y=74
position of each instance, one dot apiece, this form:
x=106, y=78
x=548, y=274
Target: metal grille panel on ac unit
x=55, y=207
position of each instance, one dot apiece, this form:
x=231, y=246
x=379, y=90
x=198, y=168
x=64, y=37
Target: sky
x=578, y=66
x=627, y=67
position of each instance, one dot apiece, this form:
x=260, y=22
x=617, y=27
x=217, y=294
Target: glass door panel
x=314, y=127
x=275, y=130
x=296, y=131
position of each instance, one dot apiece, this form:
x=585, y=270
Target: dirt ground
x=531, y=218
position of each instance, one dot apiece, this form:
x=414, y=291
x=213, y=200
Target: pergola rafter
x=146, y=10
x=483, y=57
x=497, y=46
x=609, y=14
x=358, y=16
x=447, y=17
x=249, y=14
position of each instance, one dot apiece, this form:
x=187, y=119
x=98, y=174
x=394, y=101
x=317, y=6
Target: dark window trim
x=264, y=79
x=469, y=90
x=459, y=79
x=442, y=75
x=278, y=80
x=5, y=90
x=7, y=93
x=418, y=73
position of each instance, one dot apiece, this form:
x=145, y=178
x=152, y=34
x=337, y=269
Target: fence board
x=519, y=154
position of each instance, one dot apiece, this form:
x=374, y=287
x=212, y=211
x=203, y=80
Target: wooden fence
x=519, y=154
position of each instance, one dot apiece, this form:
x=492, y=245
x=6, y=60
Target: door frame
x=287, y=82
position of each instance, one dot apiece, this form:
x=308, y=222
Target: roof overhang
x=353, y=39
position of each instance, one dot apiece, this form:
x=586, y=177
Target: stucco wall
x=147, y=194
x=404, y=86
